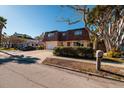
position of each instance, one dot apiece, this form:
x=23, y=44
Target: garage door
x=50, y=46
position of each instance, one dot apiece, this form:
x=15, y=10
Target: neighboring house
x=19, y=44
x=22, y=35
x=32, y=43
x=28, y=42
x=19, y=41
x=74, y=37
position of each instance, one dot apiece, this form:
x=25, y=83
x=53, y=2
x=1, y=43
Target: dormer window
x=78, y=32
x=63, y=34
x=50, y=34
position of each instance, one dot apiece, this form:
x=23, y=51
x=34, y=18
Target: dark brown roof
x=69, y=35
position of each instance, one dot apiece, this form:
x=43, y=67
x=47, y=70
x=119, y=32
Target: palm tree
x=2, y=25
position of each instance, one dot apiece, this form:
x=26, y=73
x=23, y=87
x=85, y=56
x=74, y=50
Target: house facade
x=29, y=42
x=74, y=37
x=18, y=41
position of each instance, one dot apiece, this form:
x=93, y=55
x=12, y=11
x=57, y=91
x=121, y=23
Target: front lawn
x=8, y=49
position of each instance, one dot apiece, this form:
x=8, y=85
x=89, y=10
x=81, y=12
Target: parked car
x=28, y=48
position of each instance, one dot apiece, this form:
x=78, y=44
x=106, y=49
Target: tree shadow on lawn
x=19, y=59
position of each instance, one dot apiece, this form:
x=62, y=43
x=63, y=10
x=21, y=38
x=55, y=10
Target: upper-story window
x=78, y=32
x=63, y=34
x=50, y=34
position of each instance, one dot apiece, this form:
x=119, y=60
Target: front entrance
x=68, y=43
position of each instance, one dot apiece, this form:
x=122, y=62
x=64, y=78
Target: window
x=79, y=32
x=50, y=34
x=77, y=44
x=63, y=34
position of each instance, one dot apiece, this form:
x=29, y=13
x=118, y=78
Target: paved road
x=16, y=72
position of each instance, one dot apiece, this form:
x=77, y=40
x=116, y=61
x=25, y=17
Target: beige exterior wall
x=52, y=44
x=84, y=42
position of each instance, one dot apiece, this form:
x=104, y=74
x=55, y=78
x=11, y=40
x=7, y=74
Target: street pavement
x=28, y=72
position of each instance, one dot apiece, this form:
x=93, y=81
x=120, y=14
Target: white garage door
x=50, y=46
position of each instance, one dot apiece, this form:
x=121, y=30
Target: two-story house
x=74, y=37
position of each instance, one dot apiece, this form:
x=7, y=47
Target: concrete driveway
x=27, y=73
x=41, y=54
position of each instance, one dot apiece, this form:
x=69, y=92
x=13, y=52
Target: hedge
x=76, y=52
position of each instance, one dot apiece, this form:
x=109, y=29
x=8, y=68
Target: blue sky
x=33, y=20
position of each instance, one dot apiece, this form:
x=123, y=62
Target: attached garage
x=51, y=44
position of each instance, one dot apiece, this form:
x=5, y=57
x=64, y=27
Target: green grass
x=7, y=48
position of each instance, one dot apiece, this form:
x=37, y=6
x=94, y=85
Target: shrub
x=77, y=52
x=65, y=51
x=122, y=53
x=40, y=47
x=114, y=54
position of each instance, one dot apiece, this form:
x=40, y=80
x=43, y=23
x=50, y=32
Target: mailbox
x=99, y=54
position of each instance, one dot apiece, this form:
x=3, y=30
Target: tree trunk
x=95, y=43
x=107, y=44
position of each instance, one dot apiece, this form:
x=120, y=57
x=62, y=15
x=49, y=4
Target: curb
x=88, y=73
